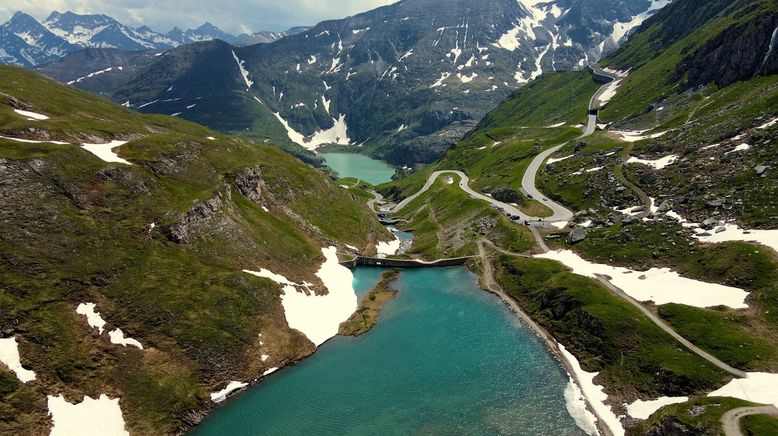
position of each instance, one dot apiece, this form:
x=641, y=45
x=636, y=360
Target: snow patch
x=93, y=318
x=9, y=355
x=101, y=416
x=637, y=135
x=318, y=316
x=643, y=409
x=594, y=393
x=337, y=134
x=768, y=124
x=757, y=387
x=552, y=160
x=575, y=402
x=105, y=151
x=243, y=72
x=657, y=164
x=732, y=232
x=660, y=285
x=31, y=115
x=219, y=396
x=117, y=337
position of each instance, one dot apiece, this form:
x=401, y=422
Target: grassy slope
x=700, y=416
x=446, y=222
x=86, y=237
x=607, y=334
x=701, y=117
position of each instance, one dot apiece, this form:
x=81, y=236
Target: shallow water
x=445, y=358
x=359, y=166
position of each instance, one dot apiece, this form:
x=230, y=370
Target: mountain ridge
x=62, y=33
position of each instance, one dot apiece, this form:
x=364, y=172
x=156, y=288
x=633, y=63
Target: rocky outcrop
x=577, y=235
x=249, y=183
x=197, y=215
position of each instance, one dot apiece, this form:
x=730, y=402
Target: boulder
x=577, y=235
x=666, y=206
x=629, y=220
x=709, y=224
x=760, y=169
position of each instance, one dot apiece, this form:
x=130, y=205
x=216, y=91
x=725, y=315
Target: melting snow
x=552, y=160
x=731, y=232
x=660, y=285
x=337, y=134
x=117, y=337
x=575, y=402
x=102, y=416
x=636, y=135
x=105, y=151
x=9, y=355
x=643, y=409
x=243, y=71
x=439, y=82
x=620, y=29
x=32, y=141
x=594, y=393
x=385, y=249
x=219, y=396
x=318, y=316
x=741, y=147
x=31, y=115
x=768, y=124
x=757, y=387
x=658, y=163
x=93, y=318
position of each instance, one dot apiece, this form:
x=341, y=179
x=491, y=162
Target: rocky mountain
x=265, y=37
x=98, y=70
x=141, y=227
x=26, y=42
x=206, y=32
x=402, y=82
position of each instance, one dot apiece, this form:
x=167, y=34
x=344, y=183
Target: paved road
x=731, y=419
x=669, y=330
x=464, y=184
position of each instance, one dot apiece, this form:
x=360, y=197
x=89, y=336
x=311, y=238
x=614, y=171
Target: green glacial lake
x=445, y=358
x=359, y=166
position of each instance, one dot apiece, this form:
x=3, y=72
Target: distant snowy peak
x=26, y=42
x=102, y=31
x=266, y=37
x=206, y=32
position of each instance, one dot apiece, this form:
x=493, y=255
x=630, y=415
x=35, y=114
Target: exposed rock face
x=670, y=426
x=249, y=183
x=410, y=79
x=506, y=195
x=197, y=215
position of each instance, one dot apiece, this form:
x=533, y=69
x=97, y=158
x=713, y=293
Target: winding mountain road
x=730, y=421
x=560, y=213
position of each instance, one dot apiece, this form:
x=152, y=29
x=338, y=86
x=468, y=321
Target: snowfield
x=318, y=317
x=9, y=355
x=102, y=416
x=660, y=285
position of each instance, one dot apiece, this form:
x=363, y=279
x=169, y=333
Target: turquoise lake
x=445, y=358
x=359, y=166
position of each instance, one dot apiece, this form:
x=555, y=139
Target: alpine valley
x=580, y=235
